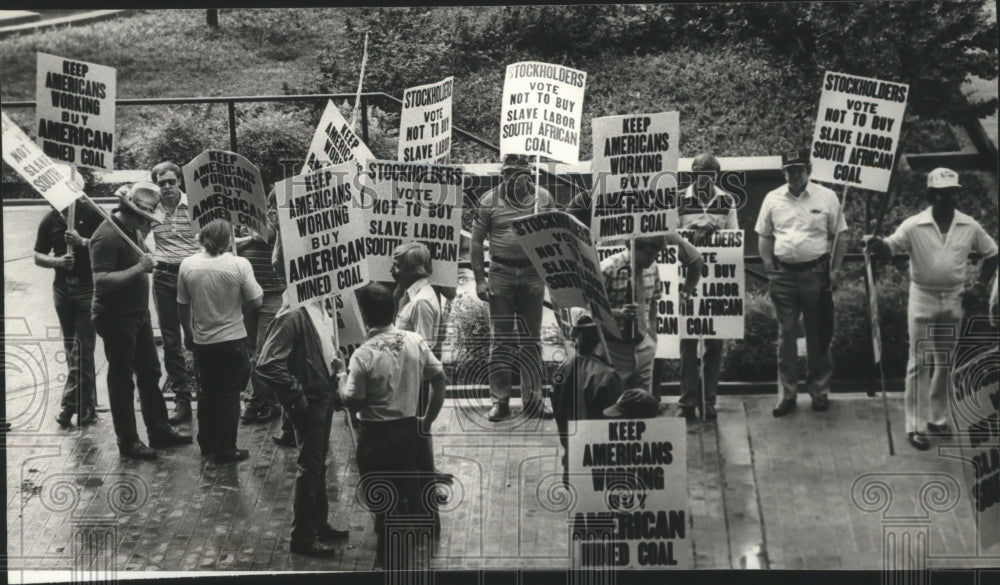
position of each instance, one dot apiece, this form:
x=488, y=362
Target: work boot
x=181, y=413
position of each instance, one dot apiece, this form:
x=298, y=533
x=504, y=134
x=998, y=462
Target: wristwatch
x=684, y=294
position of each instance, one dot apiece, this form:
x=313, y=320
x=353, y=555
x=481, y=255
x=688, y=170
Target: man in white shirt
x=938, y=240
x=797, y=225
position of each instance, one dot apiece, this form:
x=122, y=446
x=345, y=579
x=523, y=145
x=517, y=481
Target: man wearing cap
x=585, y=384
x=704, y=208
x=797, y=225
x=64, y=248
x=174, y=241
x=515, y=290
x=939, y=241
x=633, y=303
x=121, y=318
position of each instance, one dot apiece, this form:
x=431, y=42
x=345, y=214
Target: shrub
x=275, y=141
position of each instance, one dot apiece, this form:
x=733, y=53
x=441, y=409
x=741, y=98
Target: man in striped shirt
x=174, y=241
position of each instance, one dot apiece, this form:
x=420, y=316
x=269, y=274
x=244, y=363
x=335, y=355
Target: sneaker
x=499, y=412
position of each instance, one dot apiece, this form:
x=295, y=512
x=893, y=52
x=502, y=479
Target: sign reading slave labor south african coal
x=75, y=108
x=226, y=185
x=857, y=130
x=668, y=340
x=322, y=239
x=975, y=409
x=425, y=123
x=635, y=175
x=630, y=477
x=51, y=179
x=715, y=309
x=335, y=142
x=560, y=249
x=414, y=203
x=542, y=107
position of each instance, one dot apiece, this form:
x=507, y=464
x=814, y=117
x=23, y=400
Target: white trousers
x=934, y=319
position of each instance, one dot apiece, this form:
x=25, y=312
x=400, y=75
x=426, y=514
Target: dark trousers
x=129, y=347
x=692, y=369
x=72, y=302
x=807, y=294
x=387, y=457
x=312, y=435
x=165, y=301
x=224, y=369
x=256, y=323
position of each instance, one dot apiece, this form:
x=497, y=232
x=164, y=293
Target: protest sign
x=668, y=342
x=715, y=310
x=635, y=175
x=414, y=203
x=321, y=233
x=51, y=179
x=351, y=331
x=425, y=123
x=560, y=249
x=857, y=130
x=226, y=185
x=975, y=409
x=542, y=106
x=335, y=142
x=630, y=477
x=75, y=108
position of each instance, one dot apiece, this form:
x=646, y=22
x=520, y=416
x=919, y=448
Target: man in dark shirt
x=65, y=249
x=121, y=318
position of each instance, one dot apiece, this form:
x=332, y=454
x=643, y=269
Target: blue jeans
x=256, y=323
x=516, y=296
x=73, y=302
x=807, y=294
x=165, y=301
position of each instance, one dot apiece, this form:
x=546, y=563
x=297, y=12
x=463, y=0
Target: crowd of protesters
x=229, y=310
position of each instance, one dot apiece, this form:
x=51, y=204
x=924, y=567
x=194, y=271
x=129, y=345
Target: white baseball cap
x=942, y=178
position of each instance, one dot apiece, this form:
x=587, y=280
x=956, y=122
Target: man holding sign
x=797, y=225
x=705, y=208
x=515, y=290
x=939, y=240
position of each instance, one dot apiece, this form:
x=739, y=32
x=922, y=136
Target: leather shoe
x=784, y=407
x=316, y=549
x=169, y=439
x=710, y=413
x=684, y=411
x=181, y=413
x=237, y=455
x=283, y=440
x=939, y=430
x=136, y=450
x=821, y=403
x=330, y=533
x=919, y=441
x=88, y=417
x=499, y=412
x=65, y=417
x=267, y=413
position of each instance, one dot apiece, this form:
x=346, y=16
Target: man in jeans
x=515, y=290
x=174, y=242
x=121, y=318
x=73, y=292
x=797, y=225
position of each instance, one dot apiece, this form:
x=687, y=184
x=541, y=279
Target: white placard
x=425, y=123
x=716, y=307
x=542, y=108
x=51, y=179
x=226, y=185
x=335, y=142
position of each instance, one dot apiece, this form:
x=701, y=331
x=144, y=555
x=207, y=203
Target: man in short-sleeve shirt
x=515, y=290
x=66, y=250
x=797, y=225
x=939, y=241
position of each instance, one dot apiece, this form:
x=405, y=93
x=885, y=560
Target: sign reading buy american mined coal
x=635, y=175
x=321, y=233
x=75, y=107
x=857, y=130
x=542, y=106
x=630, y=477
x=226, y=185
x=334, y=142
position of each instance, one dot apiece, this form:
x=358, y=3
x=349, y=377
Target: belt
x=803, y=266
x=167, y=267
x=509, y=262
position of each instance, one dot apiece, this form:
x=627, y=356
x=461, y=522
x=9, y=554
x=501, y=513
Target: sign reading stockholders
x=857, y=130
x=630, y=477
x=75, y=108
x=321, y=233
x=542, y=107
x=225, y=185
x=425, y=123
